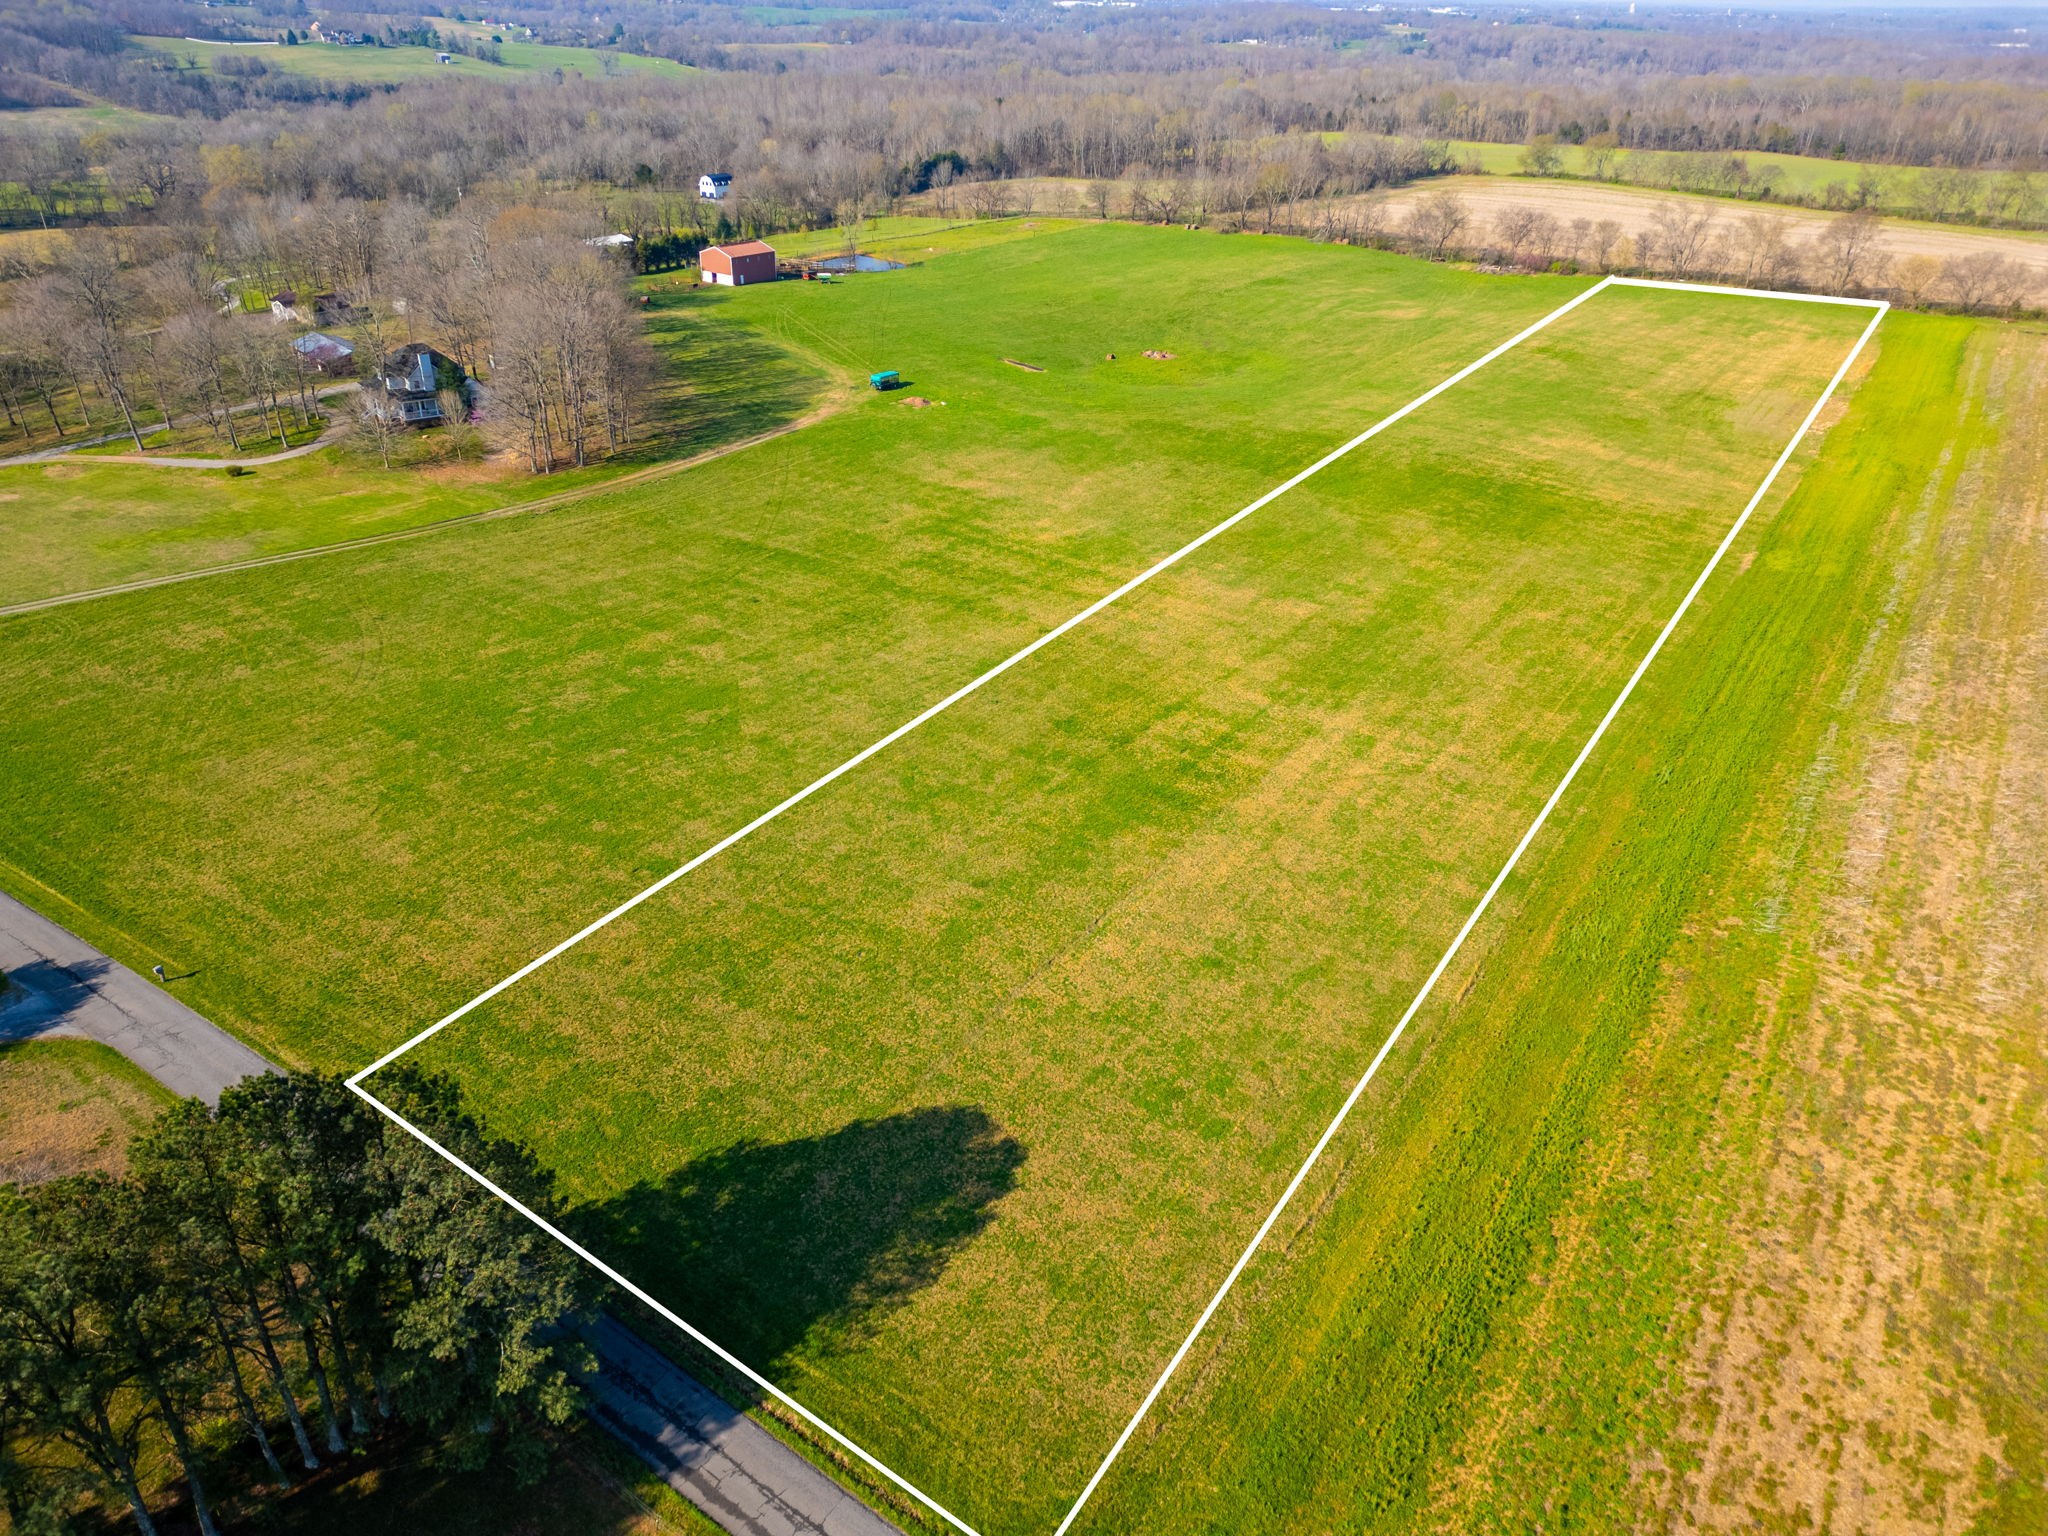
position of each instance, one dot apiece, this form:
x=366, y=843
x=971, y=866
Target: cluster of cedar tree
x=288, y=1269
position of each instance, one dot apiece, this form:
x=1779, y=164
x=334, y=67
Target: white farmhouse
x=713, y=185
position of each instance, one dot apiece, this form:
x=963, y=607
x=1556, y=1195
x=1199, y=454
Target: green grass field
x=99, y=115
x=947, y=1099
x=1800, y=175
x=1619, y=1246
x=395, y=66
x=913, y=238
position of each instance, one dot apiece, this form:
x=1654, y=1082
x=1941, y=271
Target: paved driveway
x=61, y=986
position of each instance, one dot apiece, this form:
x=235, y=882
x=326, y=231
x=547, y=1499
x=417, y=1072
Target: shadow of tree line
x=769, y=1245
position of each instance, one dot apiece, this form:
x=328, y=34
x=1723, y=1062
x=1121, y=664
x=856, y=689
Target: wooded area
x=148, y=324
x=873, y=106
x=271, y=1285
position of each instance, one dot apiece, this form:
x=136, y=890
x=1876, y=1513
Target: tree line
x=271, y=1284
x=2014, y=198
x=1689, y=241
x=1903, y=88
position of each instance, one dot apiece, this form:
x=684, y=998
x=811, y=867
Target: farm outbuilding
x=321, y=353
x=733, y=266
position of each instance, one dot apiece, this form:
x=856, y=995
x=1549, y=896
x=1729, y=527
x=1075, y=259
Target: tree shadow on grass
x=767, y=1245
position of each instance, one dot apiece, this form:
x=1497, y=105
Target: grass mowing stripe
x=994, y=672
x=1486, y=900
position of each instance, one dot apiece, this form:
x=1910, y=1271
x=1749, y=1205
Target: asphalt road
x=62, y=986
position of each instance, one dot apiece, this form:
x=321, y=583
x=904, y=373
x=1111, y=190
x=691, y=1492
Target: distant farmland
x=392, y=66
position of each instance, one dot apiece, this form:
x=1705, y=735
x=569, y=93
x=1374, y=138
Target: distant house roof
x=746, y=248
x=318, y=347
x=613, y=241
x=721, y=177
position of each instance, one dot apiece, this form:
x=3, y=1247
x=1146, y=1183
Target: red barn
x=733, y=265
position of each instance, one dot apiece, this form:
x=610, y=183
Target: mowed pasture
x=949, y=1098
x=945, y=1100
x=1710, y=1193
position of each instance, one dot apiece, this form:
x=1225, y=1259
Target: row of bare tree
x=2015, y=197
x=95, y=330
x=1693, y=242
x=1685, y=239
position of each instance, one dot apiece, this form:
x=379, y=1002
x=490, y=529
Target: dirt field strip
x=512, y=509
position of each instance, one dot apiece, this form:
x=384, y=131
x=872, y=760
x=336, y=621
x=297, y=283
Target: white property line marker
x=355, y=1082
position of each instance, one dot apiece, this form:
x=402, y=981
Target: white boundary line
x=355, y=1082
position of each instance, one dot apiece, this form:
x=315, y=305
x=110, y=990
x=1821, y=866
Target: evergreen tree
x=69, y=1376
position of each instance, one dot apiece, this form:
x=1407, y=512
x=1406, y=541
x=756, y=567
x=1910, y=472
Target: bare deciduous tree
x=1606, y=236
x=1914, y=278
x=1437, y=219
x=202, y=348
x=99, y=301
x=1600, y=152
x=373, y=420
x=987, y=198
x=1983, y=281
x=1542, y=157
x=1682, y=238
x=1845, y=256
x=1763, y=249
x=1512, y=228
